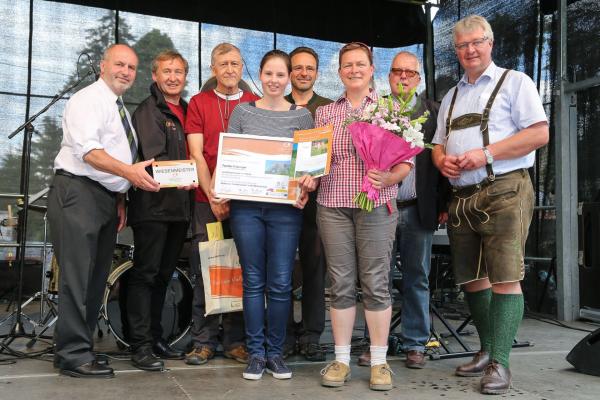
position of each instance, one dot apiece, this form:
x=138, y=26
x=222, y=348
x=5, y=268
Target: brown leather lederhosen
x=487, y=242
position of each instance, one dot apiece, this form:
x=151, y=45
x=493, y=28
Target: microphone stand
x=17, y=329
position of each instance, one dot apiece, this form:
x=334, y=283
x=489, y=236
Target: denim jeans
x=413, y=243
x=266, y=236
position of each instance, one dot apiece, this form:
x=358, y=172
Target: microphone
x=93, y=67
x=90, y=64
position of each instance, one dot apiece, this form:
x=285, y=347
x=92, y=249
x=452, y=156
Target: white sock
x=342, y=354
x=378, y=354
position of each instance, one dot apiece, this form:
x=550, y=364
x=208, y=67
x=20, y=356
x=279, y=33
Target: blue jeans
x=413, y=242
x=266, y=236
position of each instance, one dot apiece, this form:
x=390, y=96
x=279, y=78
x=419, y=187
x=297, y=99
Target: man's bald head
x=118, y=68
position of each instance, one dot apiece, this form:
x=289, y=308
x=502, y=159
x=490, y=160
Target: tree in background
x=46, y=140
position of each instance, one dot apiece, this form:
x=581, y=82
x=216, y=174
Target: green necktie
x=128, y=131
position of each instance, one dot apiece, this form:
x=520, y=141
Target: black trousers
x=83, y=225
x=157, y=246
x=205, y=329
x=312, y=262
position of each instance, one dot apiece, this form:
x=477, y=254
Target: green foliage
x=147, y=48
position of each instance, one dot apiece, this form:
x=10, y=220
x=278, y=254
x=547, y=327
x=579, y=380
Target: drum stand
x=48, y=306
x=17, y=330
x=48, y=312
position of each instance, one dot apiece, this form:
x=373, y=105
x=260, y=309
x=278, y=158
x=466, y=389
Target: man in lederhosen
x=489, y=127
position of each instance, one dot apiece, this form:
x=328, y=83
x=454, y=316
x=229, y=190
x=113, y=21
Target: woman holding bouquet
x=357, y=242
x=266, y=234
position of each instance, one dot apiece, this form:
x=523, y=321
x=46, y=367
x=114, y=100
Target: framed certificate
x=255, y=168
x=174, y=173
x=266, y=168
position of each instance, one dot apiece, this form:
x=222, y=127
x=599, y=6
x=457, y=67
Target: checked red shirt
x=347, y=169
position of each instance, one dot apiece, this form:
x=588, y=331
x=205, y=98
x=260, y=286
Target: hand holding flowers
x=384, y=135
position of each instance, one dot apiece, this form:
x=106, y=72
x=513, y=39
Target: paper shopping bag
x=222, y=276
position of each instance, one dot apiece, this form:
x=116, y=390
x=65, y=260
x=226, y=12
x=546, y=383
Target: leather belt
x=478, y=186
x=406, y=203
x=62, y=172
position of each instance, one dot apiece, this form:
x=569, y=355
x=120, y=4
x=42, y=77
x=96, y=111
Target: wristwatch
x=489, y=158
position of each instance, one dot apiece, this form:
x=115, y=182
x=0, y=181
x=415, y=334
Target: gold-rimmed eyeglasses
x=408, y=72
x=477, y=44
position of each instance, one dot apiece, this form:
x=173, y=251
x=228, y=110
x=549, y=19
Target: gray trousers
x=358, y=244
x=83, y=227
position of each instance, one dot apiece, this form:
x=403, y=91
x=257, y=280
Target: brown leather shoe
x=364, y=360
x=199, y=355
x=415, y=359
x=381, y=377
x=335, y=374
x=496, y=379
x=238, y=354
x=475, y=367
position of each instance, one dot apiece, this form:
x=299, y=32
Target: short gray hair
x=470, y=23
x=409, y=54
x=222, y=48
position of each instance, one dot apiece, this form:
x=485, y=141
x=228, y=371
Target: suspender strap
x=485, y=116
x=450, y=109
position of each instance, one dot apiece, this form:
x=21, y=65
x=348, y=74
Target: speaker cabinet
x=585, y=356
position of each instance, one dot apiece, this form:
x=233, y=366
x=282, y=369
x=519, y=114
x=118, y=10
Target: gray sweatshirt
x=252, y=120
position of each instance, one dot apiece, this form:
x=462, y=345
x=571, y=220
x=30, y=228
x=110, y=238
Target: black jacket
x=432, y=188
x=160, y=136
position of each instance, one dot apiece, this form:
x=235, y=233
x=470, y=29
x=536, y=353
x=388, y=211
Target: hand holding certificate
x=265, y=168
x=178, y=173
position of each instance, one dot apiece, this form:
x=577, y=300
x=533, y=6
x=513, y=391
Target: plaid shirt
x=347, y=169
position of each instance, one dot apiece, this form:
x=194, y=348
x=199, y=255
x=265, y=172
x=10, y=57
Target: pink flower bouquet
x=384, y=135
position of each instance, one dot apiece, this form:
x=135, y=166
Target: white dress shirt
x=516, y=107
x=91, y=121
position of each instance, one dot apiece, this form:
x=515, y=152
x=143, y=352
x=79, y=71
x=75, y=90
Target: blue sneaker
x=254, y=370
x=276, y=367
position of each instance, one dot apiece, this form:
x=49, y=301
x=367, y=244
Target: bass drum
x=176, y=312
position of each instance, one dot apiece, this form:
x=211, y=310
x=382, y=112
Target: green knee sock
x=479, y=306
x=506, y=313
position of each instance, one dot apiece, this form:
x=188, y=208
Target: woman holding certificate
x=266, y=234
x=356, y=242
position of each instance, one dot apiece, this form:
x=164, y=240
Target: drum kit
x=177, y=307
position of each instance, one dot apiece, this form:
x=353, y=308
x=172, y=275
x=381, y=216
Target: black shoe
x=102, y=359
x=89, y=370
x=144, y=359
x=289, y=349
x=163, y=350
x=312, y=351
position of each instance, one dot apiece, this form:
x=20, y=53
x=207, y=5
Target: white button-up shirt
x=516, y=107
x=91, y=121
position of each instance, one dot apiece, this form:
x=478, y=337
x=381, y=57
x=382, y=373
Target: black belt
x=406, y=203
x=62, y=172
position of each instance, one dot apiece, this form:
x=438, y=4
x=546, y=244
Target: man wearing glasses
x=488, y=129
x=305, y=66
x=421, y=205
